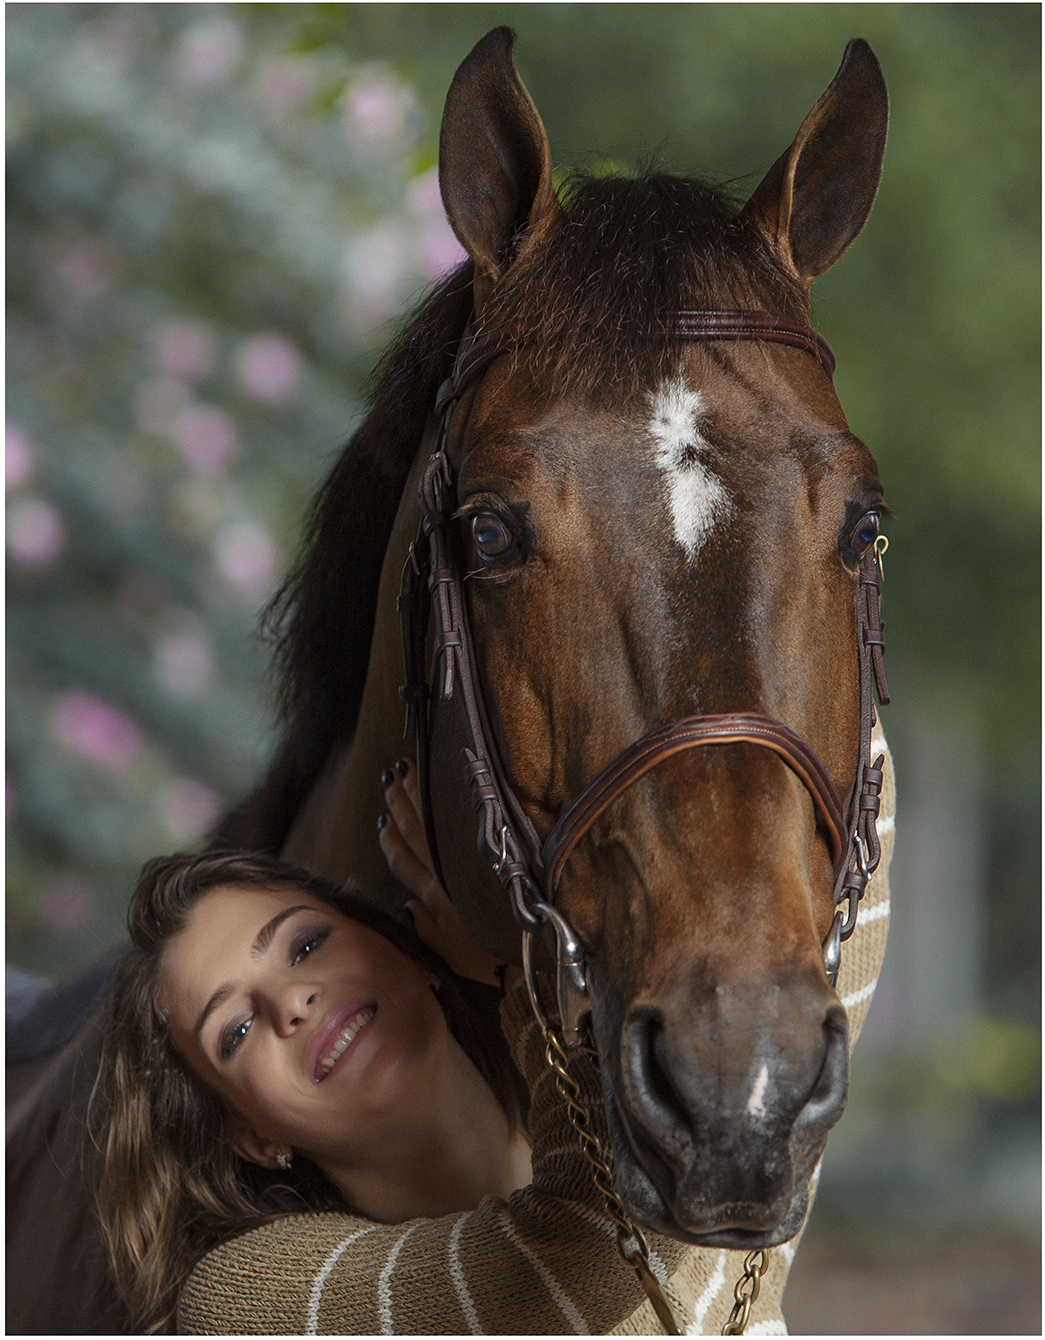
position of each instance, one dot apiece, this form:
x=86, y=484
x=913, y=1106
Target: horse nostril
x=648, y=1082
x=827, y=1096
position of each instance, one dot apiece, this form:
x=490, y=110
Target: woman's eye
x=491, y=536
x=865, y=533
x=307, y=944
x=233, y=1036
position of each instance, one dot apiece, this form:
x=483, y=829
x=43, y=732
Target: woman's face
x=314, y=1028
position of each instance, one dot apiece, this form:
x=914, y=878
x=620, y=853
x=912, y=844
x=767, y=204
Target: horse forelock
x=592, y=300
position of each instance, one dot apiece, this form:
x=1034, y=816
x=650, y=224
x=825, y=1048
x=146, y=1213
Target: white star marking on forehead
x=697, y=498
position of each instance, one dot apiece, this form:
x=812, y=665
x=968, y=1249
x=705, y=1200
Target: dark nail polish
x=387, y=779
x=382, y=819
x=402, y=767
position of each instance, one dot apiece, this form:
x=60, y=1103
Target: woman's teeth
x=348, y=1036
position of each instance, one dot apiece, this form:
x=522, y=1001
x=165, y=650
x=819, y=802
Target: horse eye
x=865, y=533
x=491, y=536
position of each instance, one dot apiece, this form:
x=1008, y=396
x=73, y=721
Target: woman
x=277, y=1048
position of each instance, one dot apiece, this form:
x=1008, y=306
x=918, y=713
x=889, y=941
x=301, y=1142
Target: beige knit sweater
x=544, y=1262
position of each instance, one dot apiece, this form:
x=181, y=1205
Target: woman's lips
x=339, y=1036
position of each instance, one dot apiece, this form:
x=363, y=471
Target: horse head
x=653, y=528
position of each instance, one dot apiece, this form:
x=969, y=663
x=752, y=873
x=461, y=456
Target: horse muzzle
x=720, y=1121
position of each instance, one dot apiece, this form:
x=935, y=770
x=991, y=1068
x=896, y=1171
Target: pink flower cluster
x=87, y=725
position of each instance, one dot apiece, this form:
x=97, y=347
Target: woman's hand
x=435, y=917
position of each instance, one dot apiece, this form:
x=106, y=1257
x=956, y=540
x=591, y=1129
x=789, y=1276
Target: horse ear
x=495, y=167
x=816, y=197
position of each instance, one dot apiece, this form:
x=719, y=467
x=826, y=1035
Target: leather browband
x=479, y=350
x=756, y=326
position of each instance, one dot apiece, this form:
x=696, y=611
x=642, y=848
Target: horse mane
x=589, y=302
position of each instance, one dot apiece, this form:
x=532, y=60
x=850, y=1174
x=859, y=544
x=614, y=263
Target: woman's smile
x=343, y=1026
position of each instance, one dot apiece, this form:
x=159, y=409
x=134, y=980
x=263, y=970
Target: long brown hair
x=170, y=1186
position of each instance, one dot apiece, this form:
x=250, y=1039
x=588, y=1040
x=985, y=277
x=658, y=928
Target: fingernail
x=402, y=767
x=382, y=819
x=387, y=779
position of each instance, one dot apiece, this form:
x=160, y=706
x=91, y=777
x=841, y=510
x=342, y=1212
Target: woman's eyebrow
x=264, y=936
x=261, y=942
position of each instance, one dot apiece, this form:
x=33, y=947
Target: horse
x=617, y=391
x=607, y=512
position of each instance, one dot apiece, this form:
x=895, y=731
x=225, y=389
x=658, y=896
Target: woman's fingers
x=401, y=795
x=435, y=918
x=403, y=863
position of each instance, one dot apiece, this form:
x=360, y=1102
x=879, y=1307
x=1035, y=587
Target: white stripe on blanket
x=865, y=993
x=555, y=1289
x=322, y=1277
x=384, y=1284
x=711, y=1292
x=460, y=1286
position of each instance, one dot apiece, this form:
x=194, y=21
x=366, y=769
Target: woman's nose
x=294, y=1005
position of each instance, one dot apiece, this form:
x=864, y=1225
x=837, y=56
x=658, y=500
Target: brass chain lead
x=631, y=1243
x=755, y=1265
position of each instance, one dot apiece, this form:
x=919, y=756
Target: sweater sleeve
x=542, y=1262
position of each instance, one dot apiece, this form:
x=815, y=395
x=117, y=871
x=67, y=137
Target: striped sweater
x=543, y=1262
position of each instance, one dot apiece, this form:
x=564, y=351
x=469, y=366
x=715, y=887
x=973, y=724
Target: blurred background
x=216, y=214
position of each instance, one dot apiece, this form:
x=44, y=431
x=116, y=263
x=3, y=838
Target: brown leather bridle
x=526, y=868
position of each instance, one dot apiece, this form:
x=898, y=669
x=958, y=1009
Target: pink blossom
x=18, y=457
x=247, y=558
x=268, y=367
x=438, y=250
x=65, y=905
x=187, y=808
x=96, y=730
x=35, y=533
x=285, y=84
x=184, y=663
x=87, y=269
x=209, y=53
x=184, y=349
x=423, y=196
x=205, y=437
x=378, y=109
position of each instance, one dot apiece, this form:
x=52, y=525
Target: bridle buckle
x=571, y=979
